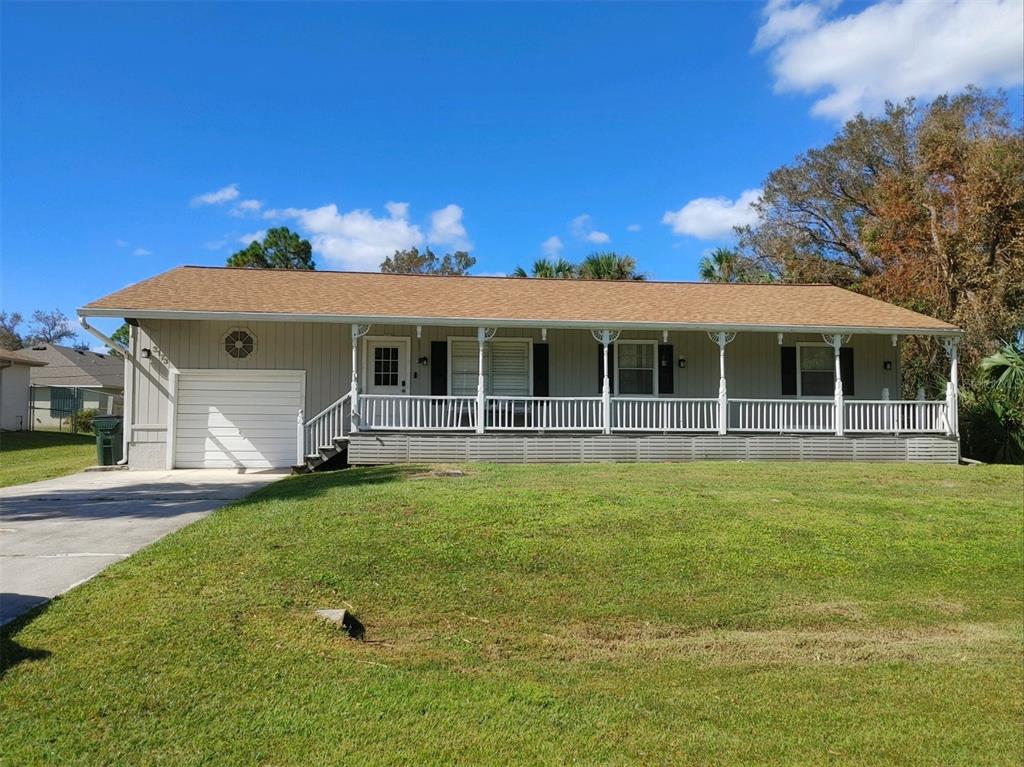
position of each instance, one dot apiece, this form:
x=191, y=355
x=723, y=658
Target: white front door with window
x=386, y=369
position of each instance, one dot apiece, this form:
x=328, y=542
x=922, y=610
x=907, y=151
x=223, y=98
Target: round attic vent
x=239, y=343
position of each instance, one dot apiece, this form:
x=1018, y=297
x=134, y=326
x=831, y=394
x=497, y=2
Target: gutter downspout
x=129, y=361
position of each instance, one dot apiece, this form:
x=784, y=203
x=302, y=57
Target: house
x=259, y=368
x=14, y=390
x=73, y=380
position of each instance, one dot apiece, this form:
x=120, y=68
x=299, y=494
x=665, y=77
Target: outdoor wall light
x=145, y=354
x=887, y=364
x=422, y=360
x=682, y=362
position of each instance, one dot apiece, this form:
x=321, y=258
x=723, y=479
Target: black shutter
x=600, y=367
x=846, y=370
x=541, y=386
x=438, y=368
x=788, y=369
x=666, y=369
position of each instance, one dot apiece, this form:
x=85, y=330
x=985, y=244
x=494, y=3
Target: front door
x=387, y=366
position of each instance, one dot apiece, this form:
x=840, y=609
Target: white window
x=507, y=367
x=816, y=370
x=636, y=368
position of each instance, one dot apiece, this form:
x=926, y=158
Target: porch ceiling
x=211, y=292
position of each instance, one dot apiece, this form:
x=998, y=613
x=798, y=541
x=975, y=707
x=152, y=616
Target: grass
x=29, y=456
x=694, y=614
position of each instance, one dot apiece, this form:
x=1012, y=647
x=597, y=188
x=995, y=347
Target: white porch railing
x=330, y=423
x=398, y=412
x=782, y=415
x=544, y=414
x=651, y=414
x=896, y=416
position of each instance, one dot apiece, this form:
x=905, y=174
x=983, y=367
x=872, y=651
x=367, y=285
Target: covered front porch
x=412, y=384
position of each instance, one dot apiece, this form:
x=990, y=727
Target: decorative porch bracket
x=606, y=338
x=482, y=336
x=723, y=339
x=836, y=341
x=951, y=345
x=358, y=331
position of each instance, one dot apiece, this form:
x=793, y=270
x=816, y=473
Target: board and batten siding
x=323, y=351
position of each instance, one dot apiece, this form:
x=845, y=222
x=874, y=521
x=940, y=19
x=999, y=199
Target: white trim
x=163, y=314
x=799, y=371
x=654, y=370
x=172, y=381
x=398, y=340
x=493, y=339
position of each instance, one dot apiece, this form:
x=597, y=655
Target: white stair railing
x=664, y=414
x=544, y=413
x=329, y=424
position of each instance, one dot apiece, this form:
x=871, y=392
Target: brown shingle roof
x=74, y=367
x=380, y=297
x=17, y=358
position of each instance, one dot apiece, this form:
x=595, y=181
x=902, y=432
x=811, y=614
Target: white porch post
x=606, y=338
x=723, y=339
x=952, y=386
x=836, y=342
x=358, y=331
x=482, y=334
x=300, y=430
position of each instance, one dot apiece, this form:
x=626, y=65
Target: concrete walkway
x=58, y=533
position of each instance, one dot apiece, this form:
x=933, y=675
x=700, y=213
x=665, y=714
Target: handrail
x=340, y=401
x=329, y=424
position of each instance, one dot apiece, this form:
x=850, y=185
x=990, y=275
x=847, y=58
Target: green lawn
x=688, y=614
x=29, y=456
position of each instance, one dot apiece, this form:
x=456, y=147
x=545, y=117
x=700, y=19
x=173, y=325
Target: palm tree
x=552, y=270
x=609, y=266
x=722, y=265
x=1005, y=372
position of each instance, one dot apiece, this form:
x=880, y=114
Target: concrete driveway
x=58, y=533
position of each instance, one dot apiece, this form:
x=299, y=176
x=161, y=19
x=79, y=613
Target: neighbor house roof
x=214, y=292
x=70, y=367
x=17, y=358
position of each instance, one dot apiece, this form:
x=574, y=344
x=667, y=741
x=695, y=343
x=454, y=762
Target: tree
x=281, y=249
x=729, y=265
x=412, y=261
x=10, y=338
x=49, y=328
x=609, y=266
x=923, y=207
x=545, y=268
x=122, y=337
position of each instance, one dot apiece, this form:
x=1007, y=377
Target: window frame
x=799, y=370
x=653, y=368
x=487, y=358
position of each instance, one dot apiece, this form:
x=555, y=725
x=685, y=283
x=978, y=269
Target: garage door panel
x=237, y=419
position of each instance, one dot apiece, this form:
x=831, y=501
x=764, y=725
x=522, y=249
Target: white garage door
x=237, y=418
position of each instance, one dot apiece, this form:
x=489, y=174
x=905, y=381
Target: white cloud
x=891, y=50
x=633, y=228
x=142, y=252
x=221, y=196
x=708, y=218
x=446, y=227
x=259, y=234
x=355, y=239
x=552, y=246
x=121, y=243
x=582, y=228
x=246, y=207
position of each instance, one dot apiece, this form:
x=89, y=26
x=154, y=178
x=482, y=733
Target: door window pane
x=385, y=366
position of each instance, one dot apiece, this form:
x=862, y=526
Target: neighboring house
x=257, y=368
x=73, y=380
x=14, y=390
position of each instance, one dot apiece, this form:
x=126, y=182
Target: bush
x=82, y=420
x=991, y=428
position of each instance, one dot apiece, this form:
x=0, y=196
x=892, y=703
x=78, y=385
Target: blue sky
x=137, y=137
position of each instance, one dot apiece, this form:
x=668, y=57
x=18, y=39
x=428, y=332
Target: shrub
x=82, y=421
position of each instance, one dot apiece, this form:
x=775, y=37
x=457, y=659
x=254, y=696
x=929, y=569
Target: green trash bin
x=108, y=439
